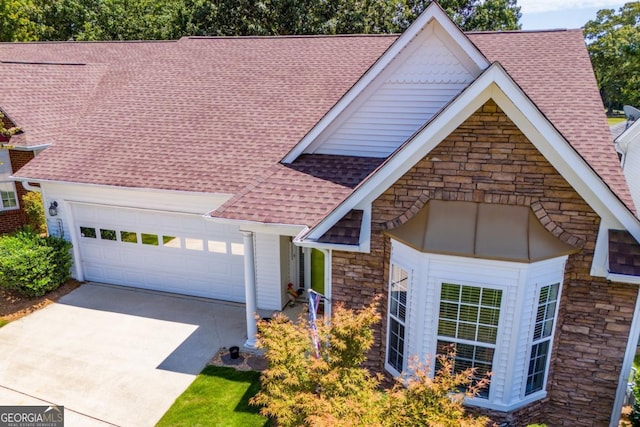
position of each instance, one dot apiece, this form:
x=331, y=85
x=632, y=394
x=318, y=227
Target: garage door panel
x=185, y=262
x=92, y=251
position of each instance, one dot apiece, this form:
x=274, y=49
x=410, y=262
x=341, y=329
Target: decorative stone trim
x=554, y=228
x=420, y=203
x=532, y=202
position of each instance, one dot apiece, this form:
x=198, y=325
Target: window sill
x=17, y=208
x=486, y=403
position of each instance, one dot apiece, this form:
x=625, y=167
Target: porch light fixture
x=53, y=209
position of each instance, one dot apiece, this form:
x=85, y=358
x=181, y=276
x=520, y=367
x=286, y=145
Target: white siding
x=267, y=248
x=430, y=72
x=167, y=201
x=632, y=170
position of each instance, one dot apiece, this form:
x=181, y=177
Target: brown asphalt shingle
x=624, y=253
x=301, y=192
x=218, y=114
x=204, y=114
x=346, y=231
x=554, y=70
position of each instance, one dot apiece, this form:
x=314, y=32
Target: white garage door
x=164, y=251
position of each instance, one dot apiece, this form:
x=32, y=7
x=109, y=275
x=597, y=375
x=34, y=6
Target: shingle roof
x=217, y=114
x=202, y=114
x=624, y=253
x=301, y=192
x=618, y=129
x=554, y=70
x=46, y=87
x=346, y=231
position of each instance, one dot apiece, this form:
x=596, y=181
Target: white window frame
x=548, y=338
x=474, y=342
x=520, y=284
x=7, y=185
x=390, y=317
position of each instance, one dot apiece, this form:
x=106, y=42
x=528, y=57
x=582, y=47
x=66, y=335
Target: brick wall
x=487, y=159
x=13, y=219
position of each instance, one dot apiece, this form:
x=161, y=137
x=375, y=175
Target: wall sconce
x=53, y=209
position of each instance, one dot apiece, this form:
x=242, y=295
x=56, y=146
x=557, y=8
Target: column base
x=250, y=344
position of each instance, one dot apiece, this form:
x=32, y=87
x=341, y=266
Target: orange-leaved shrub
x=300, y=389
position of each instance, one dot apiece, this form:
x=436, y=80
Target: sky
x=547, y=14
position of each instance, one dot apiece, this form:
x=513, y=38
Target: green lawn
x=219, y=396
x=3, y=322
x=615, y=120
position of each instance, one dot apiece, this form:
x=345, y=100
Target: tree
x=26, y=20
x=281, y=17
x=335, y=389
x=15, y=22
x=470, y=15
x=107, y=19
x=613, y=41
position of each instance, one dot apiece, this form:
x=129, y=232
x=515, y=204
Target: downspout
x=30, y=187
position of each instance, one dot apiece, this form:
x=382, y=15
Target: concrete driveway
x=112, y=355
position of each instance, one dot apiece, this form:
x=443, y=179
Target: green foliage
x=613, y=41
x=470, y=15
x=299, y=389
x=34, y=265
x=634, y=416
x=278, y=17
x=4, y=131
x=15, y=20
x=34, y=208
x=25, y=20
x=107, y=19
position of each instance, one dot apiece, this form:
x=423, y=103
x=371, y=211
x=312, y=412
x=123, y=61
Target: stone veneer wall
x=11, y=220
x=487, y=159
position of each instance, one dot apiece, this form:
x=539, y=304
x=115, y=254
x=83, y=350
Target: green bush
x=634, y=416
x=33, y=207
x=34, y=265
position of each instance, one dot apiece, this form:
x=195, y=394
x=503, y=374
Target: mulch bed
x=245, y=361
x=13, y=305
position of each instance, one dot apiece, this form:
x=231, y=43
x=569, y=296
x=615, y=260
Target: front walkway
x=113, y=355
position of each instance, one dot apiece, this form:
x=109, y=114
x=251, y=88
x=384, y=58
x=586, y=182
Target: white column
x=250, y=289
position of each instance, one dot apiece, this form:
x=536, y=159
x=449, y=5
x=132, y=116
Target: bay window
x=499, y=316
